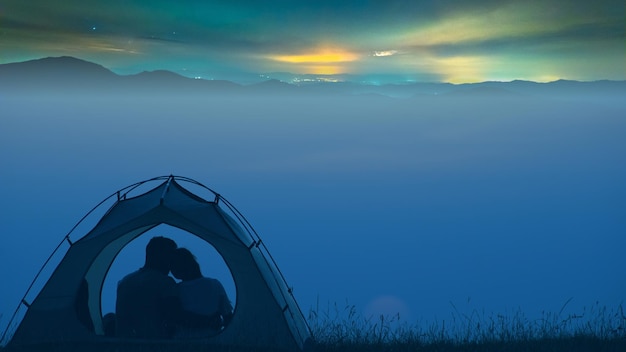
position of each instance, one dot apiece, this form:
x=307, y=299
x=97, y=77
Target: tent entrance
x=132, y=256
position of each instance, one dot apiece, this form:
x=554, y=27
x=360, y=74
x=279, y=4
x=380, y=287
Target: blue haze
x=514, y=203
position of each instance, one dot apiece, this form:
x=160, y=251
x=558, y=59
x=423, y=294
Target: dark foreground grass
x=592, y=330
x=336, y=328
x=572, y=344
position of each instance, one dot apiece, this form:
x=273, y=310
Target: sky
x=393, y=41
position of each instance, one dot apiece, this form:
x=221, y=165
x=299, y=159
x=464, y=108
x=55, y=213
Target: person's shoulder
x=130, y=277
x=214, y=280
x=215, y=283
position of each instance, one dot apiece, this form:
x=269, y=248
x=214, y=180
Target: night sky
x=401, y=41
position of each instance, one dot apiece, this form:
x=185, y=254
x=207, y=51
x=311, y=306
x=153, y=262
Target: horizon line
x=310, y=78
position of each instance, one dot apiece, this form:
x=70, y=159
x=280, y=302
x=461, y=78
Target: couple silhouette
x=150, y=304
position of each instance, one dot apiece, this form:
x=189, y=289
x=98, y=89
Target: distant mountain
x=167, y=81
x=481, y=91
x=62, y=75
x=158, y=75
x=53, y=72
x=55, y=66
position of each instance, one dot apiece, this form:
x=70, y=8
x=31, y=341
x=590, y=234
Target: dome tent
x=266, y=317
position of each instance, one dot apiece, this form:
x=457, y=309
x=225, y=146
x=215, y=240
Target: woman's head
x=184, y=265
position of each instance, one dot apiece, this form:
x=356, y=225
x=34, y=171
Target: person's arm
x=227, y=318
x=226, y=308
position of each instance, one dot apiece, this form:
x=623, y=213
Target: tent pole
x=167, y=188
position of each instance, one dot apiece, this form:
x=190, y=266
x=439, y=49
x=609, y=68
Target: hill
x=63, y=75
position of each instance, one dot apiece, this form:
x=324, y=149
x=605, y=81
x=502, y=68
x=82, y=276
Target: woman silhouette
x=200, y=294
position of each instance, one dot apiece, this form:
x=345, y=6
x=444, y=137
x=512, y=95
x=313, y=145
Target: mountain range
x=53, y=75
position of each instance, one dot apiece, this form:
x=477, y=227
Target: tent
x=68, y=307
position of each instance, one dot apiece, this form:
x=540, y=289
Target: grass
x=595, y=329
x=337, y=328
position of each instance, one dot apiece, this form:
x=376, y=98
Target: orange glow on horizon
x=322, y=62
x=322, y=57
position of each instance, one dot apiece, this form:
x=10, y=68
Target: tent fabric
x=266, y=313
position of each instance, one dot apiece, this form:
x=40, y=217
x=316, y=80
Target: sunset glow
x=323, y=57
x=325, y=62
x=445, y=41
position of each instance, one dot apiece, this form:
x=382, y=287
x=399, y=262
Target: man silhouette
x=147, y=297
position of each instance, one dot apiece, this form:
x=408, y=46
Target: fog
x=392, y=205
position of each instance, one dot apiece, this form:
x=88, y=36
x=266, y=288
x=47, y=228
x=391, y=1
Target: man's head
x=159, y=253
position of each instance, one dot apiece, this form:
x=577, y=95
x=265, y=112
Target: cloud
x=385, y=53
x=467, y=40
x=510, y=22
